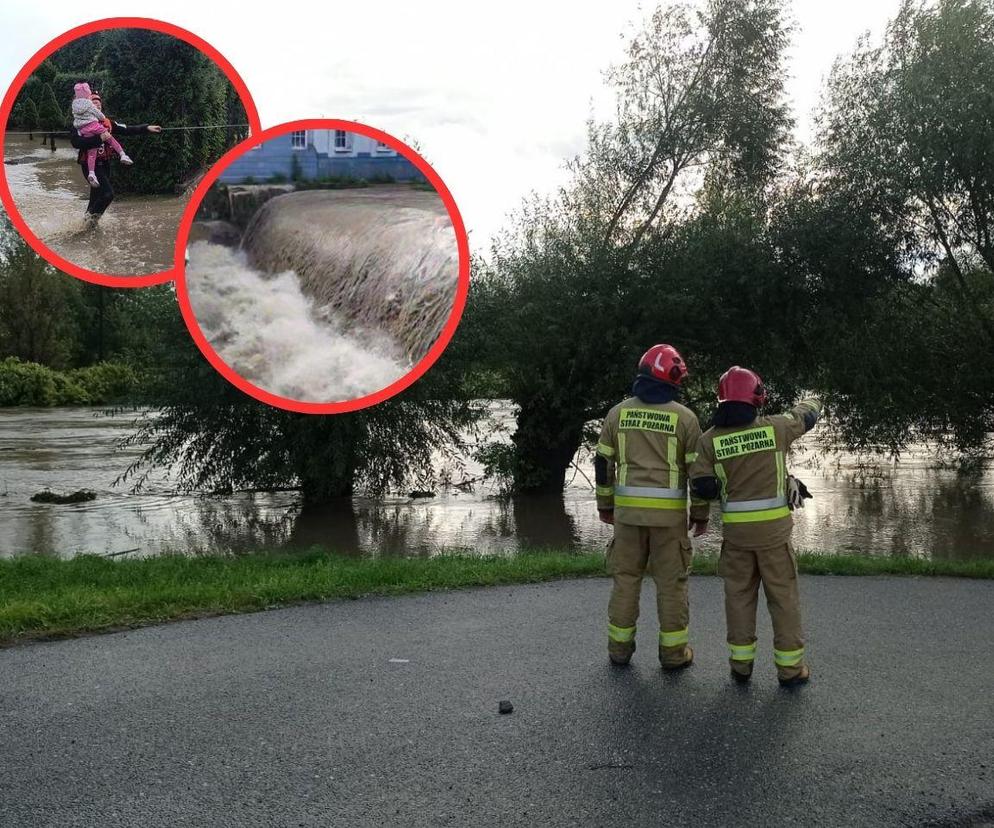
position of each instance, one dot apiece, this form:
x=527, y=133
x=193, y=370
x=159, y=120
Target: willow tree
x=565, y=295
x=215, y=438
x=907, y=139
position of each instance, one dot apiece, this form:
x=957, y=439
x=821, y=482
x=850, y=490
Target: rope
x=164, y=129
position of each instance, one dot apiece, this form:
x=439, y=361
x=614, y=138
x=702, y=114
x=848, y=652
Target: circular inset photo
x=107, y=131
x=326, y=266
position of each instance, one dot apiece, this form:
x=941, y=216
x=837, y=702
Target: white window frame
x=293, y=139
x=347, y=146
x=381, y=147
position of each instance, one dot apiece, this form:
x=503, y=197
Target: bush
x=28, y=383
x=106, y=382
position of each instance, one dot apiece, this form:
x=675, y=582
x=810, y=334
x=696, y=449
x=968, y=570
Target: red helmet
x=741, y=385
x=664, y=363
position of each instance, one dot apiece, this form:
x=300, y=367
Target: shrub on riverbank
x=45, y=597
x=31, y=384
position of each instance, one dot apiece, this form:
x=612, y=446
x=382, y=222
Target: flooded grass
x=50, y=598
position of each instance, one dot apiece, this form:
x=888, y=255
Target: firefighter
x=741, y=459
x=645, y=446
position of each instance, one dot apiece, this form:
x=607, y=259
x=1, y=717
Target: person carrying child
x=89, y=122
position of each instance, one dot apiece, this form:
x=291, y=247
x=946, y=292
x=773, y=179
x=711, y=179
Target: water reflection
x=912, y=509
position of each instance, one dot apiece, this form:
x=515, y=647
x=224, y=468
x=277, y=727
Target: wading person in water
x=102, y=194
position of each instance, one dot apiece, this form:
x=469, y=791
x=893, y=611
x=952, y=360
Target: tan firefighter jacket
x=750, y=464
x=641, y=464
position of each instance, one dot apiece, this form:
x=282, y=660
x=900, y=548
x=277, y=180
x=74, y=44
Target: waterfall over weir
x=333, y=294
x=383, y=258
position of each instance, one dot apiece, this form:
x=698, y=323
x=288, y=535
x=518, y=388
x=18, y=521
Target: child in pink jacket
x=88, y=121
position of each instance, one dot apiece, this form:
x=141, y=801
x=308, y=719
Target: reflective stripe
x=742, y=652
x=620, y=633
x=788, y=658
x=650, y=491
x=605, y=450
x=622, y=465
x=605, y=491
x=781, y=475
x=719, y=470
x=755, y=505
x=755, y=517
x=671, y=462
x=690, y=456
x=649, y=502
x=674, y=638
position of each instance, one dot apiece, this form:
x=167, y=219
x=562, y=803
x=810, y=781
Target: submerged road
x=384, y=711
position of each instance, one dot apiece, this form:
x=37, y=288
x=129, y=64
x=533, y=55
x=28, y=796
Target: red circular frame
x=8, y=104
x=462, y=285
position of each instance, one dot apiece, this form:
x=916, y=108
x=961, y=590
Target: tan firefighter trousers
x=742, y=569
x=664, y=552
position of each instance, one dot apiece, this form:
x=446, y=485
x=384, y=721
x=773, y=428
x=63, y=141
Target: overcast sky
x=496, y=94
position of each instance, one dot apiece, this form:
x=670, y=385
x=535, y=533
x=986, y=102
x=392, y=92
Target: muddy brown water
x=913, y=508
x=135, y=237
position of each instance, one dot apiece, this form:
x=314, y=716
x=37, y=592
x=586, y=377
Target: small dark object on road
x=505, y=707
x=47, y=496
x=418, y=493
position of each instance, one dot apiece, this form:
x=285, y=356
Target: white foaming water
x=274, y=336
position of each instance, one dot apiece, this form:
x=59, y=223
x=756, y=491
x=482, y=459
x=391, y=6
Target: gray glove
x=796, y=492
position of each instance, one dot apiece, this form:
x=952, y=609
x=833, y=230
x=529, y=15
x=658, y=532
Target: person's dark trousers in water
x=102, y=196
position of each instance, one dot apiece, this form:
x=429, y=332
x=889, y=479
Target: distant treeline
x=67, y=342
x=143, y=77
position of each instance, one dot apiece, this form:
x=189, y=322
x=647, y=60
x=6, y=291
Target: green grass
x=43, y=597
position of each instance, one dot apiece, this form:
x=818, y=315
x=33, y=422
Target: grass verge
x=48, y=598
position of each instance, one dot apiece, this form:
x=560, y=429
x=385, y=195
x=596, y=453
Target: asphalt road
x=301, y=717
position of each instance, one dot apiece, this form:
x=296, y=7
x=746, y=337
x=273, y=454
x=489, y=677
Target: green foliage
x=906, y=153
x=27, y=383
x=46, y=72
x=143, y=77
x=611, y=265
x=51, y=116
x=30, y=384
x=160, y=79
x=37, y=305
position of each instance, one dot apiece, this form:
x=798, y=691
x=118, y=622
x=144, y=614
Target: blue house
x=321, y=153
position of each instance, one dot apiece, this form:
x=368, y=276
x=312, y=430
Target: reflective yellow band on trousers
x=621, y=634
x=674, y=638
x=605, y=491
x=788, y=658
x=605, y=450
x=742, y=652
x=649, y=502
x=755, y=517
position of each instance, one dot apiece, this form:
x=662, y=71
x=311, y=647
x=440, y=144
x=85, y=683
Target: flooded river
x=136, y=236
x=913, y=508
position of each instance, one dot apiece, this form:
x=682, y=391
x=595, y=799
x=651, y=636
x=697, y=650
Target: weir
x=382, y=258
